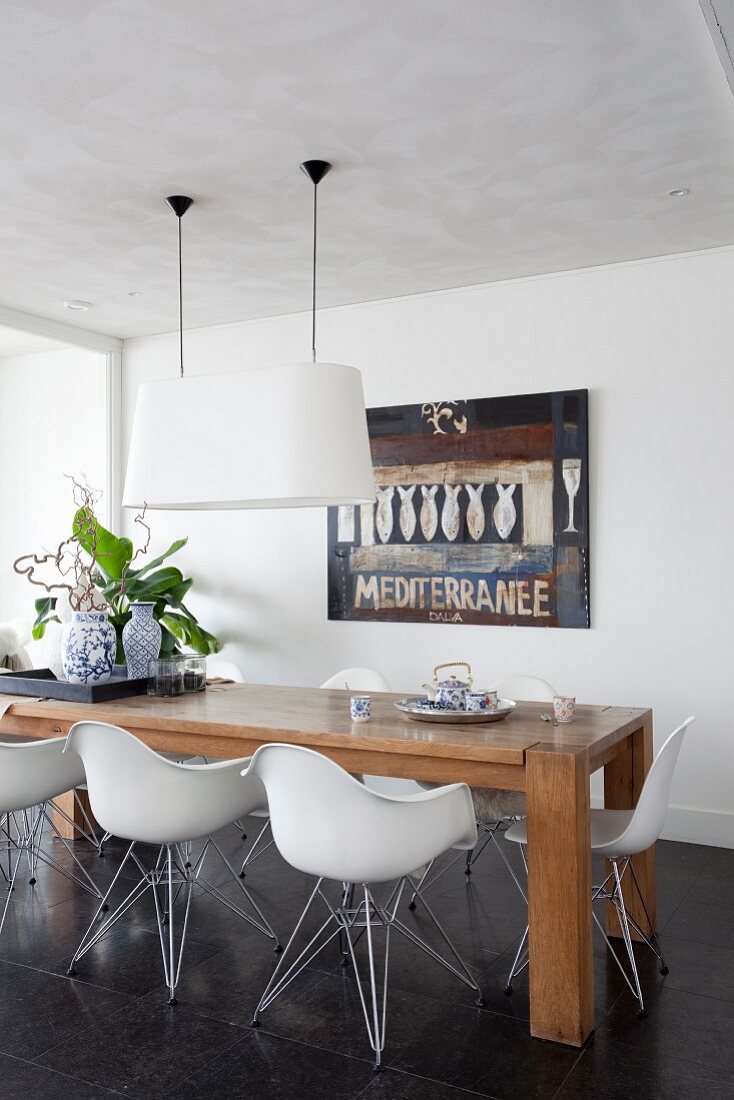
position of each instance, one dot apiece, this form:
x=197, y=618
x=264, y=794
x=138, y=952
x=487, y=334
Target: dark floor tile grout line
x=76, y=978
x=263, y=1030
x=60, y=1073
x=574, y=1067
x=67, y=977
x=417, y=1077
x=204, y=1065
x=123, y=1008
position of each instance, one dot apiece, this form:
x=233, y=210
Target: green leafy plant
x=102, y=564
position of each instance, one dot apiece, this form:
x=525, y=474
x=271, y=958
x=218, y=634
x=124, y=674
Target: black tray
x=41, y=682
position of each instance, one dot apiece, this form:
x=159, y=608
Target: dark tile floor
x=109, y=1031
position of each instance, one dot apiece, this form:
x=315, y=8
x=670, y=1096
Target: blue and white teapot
x=450, y=694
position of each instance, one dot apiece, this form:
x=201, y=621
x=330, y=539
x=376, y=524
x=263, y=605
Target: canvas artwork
x=481, y=516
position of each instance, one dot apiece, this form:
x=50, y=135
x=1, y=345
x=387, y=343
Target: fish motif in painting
x=407, y=516
x=505, y=512
x=384, y=516
x=429, y=512
x=475, y=518
x=450, y=513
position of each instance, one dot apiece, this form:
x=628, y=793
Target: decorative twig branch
x=141, y=551
x=71, y=559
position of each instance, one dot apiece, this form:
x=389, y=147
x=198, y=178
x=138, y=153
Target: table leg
x=69, y=805
x=623, y=780
x=559, y=881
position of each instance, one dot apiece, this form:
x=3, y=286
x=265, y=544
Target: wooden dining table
x=552, y=764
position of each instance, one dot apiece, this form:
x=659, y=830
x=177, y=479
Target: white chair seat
x=137, y=794
x=328, y=824
x=607, y=829
x=619, y=835
x=32, y=772
x=384, y=836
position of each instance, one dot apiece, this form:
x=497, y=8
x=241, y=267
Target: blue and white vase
x=88, y=645
x=141, y=640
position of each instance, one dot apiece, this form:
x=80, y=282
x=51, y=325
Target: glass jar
x=194, y=672
x=165, y=677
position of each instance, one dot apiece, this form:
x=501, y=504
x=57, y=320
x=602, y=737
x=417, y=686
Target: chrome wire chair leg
x=616, y=897
x=11, y=876
x=255, y=852
x=461, y=971
x=653, y=942
x=171, y=958
x=346, y=903
x=622, y=911
x=425, y=882
x=517, y=966
x=486, y=832
x=27, y=824
x=26, y=844
x=85, y=882
x=92, y=934
x=490, y=835
x=87, y=833
x=375, y=1016
x=350, y=923
x=4, y=845
x=284, y=974
x=522, y=955
x=262, y=924
x=508, y=865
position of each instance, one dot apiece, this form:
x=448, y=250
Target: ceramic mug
x=360, y=707
x=564, y=707
x=476, y=700
x=492, y=699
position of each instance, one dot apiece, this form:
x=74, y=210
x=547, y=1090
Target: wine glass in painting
x=572, y=481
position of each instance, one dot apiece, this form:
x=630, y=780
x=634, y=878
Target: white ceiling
x=472, y=141
x=13, y=343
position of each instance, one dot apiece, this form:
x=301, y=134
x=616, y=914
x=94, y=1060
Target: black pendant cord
x=315, y=170
x=313, y=275
x=179, y=204
x=180, y=303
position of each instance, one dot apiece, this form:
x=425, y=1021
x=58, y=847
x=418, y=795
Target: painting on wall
x=481, y=516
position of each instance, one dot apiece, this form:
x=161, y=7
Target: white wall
x=52, y=421
x=653, y=343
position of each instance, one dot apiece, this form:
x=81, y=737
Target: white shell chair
x=495, y=809
x=221, y=669
x=139, y=795
x=619, y=835
x=353, y=679
x=32, y=774
x=328, y=824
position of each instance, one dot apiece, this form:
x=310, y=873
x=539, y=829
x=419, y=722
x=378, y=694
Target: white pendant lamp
x=292, y=436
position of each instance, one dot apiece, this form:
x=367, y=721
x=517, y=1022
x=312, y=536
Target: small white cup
x=360, y=708
x=476, y=700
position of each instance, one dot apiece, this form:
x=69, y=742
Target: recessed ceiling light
x=76, y=303
x=135, y=294
x=678, y=192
